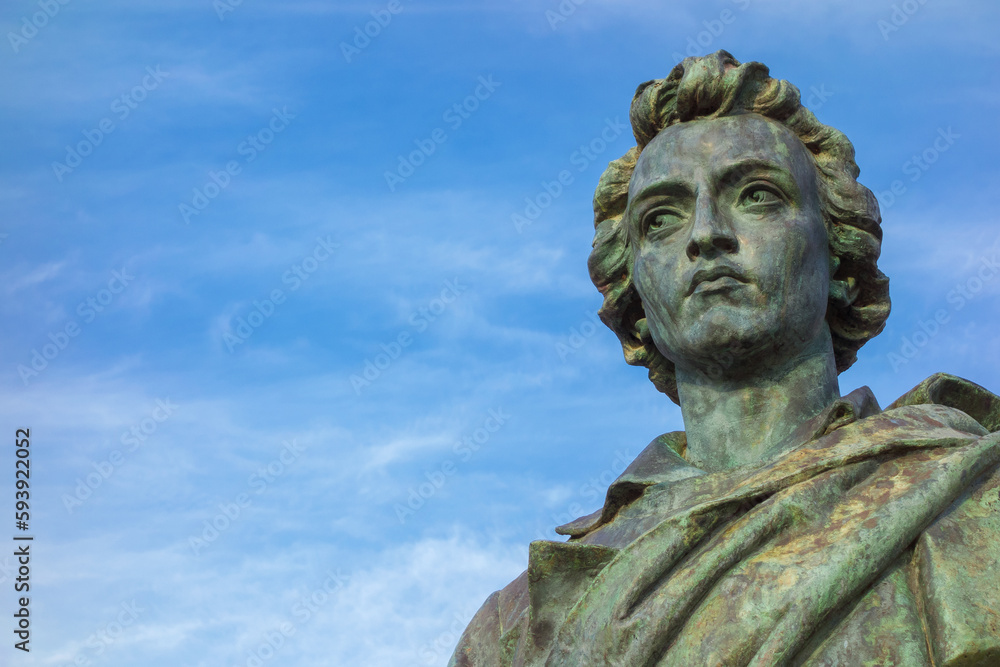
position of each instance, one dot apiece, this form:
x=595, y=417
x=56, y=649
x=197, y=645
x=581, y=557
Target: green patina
x=787, y=524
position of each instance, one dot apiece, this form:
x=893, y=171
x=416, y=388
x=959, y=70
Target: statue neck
x=733, y=422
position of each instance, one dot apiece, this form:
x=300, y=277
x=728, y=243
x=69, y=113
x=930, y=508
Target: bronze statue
x=786, y=525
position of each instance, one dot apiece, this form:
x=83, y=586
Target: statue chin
x=726, y=349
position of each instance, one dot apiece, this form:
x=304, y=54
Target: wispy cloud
x=496, y=319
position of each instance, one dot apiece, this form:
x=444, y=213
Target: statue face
x=731, y=254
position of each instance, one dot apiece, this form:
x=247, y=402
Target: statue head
x=735, y=228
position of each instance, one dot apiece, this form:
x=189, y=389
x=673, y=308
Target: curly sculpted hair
x=711, y=87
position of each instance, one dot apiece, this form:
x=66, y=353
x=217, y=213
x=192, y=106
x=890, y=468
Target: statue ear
x=844, y=291
x=642, y=330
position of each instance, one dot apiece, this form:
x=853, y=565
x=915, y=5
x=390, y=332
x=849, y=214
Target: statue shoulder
x=485, y=641
x=955, y=392
x=956, y=562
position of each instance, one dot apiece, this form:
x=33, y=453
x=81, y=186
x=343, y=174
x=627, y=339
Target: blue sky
x=201, y=248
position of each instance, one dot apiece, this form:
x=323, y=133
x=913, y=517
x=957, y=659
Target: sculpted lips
x=717, y=276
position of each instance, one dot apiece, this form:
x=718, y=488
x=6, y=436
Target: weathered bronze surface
x=787, y=525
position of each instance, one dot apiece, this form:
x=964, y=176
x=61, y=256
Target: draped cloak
x=876, y=541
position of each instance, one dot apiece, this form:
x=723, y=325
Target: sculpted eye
x=760, y=197
x=662, y=221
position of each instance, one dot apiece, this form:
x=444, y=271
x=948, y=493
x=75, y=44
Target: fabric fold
x=873, y=541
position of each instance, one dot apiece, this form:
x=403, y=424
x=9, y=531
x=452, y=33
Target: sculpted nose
x=711, y=234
